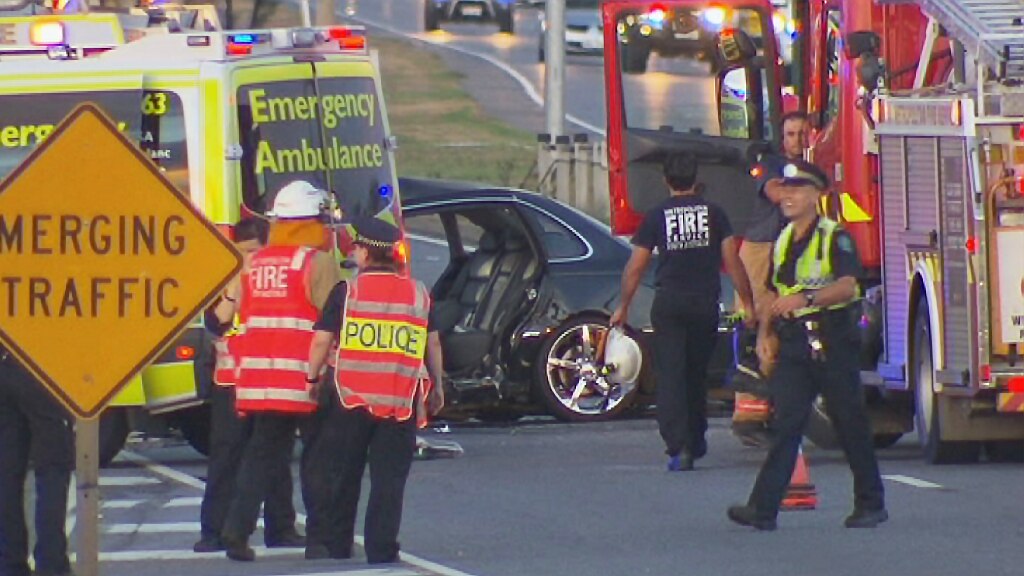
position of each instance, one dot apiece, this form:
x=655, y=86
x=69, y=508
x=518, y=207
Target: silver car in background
x=584, y=32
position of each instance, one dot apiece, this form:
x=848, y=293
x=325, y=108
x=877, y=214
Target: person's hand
x=786, y=305
x=233, y=290
x=435, y=400
x=749, y=317
x=619, y=316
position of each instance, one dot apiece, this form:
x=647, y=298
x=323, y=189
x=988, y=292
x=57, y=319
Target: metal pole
x=87, y=508
x=554, y=67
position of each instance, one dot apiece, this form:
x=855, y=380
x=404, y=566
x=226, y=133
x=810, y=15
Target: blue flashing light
x=243, y=39
x=656, y=17
x=385, y=191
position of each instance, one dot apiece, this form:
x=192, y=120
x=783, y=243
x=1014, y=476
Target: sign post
x=102, y=264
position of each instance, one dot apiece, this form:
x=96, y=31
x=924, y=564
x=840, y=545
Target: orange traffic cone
x=801, y=494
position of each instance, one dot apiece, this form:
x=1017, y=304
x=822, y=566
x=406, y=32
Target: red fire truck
x=919, y=117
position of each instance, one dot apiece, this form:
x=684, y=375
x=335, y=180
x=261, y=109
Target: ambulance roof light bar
x=346, y=38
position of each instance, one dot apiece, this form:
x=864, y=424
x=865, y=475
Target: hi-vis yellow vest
x=813, y=267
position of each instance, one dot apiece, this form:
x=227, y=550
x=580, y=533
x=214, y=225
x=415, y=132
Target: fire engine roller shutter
x=894, y=257
x=957, y=321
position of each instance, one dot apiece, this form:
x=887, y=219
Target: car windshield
x=328, y=132
x=669, y=64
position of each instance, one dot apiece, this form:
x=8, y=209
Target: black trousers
x=685, y=334
x=795, y=383
x=33, y=426
x=322, y=447
x=228, y=436
x=387, y=446
x=266, y=462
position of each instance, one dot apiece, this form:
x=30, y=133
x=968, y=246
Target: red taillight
x=1015, y=384
x=185, y=352
x=986, y=373
x=971, y=245
x=338, y=33
x=239, y=49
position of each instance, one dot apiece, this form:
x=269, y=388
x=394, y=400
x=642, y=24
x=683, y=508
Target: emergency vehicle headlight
x=714, y=16
x=46, y=33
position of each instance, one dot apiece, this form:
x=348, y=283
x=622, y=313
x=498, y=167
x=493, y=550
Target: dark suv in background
x=481, y=11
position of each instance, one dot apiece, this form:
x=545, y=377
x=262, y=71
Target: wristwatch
x=312, y=380
x=809, y=296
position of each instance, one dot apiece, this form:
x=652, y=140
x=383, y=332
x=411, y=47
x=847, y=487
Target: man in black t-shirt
x=693, y=238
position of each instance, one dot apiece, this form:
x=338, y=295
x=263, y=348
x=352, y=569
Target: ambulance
x=229, y=116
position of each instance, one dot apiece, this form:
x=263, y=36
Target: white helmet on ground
x=622, y=357
x=298, y=199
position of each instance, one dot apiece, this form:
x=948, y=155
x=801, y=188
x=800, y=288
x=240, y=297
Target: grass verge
x=442, y=131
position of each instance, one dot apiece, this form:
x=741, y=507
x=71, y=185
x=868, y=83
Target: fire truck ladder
x=990, y=30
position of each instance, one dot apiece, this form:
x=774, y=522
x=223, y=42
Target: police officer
x=33, y=426
x=287, y=285
x=387, y=377
x=693, y=238
x=809, y=332
x=229, y=432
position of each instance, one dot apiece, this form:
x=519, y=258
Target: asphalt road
x=541, y=497
x=503, y=73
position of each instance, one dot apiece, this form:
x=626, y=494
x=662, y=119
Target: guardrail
x=574, y=170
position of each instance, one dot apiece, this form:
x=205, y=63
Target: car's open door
x=708, y=83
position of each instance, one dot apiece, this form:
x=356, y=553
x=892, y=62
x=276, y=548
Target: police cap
x=372, y=231
x=801, y=173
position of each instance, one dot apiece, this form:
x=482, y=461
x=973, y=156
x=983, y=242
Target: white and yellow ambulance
x=229, y=116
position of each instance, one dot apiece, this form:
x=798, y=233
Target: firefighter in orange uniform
x=387, y=376
x=288, y=283
x=228, y=432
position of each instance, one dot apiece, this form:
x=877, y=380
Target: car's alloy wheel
x=571, y=381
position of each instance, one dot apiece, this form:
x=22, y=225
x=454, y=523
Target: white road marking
x=188, y=480
x=158, y=528
x=127, y=480
x=138, y=555
x=184, y=502
x=911, y=481
x=120, y=504
x=528, y=87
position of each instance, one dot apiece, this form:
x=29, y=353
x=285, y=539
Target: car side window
x=428, y=247
x=559, y=241
x=469, y=232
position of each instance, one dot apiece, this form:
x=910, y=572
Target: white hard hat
x=623, y=357
x=298, y=199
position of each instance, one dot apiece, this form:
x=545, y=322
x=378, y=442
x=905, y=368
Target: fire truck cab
x=230, y=117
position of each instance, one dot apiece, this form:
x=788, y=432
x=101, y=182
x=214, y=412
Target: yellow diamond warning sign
x=102, y=261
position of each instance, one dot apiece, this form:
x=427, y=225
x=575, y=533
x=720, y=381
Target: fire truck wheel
x=936, y=451
x=113, y=434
